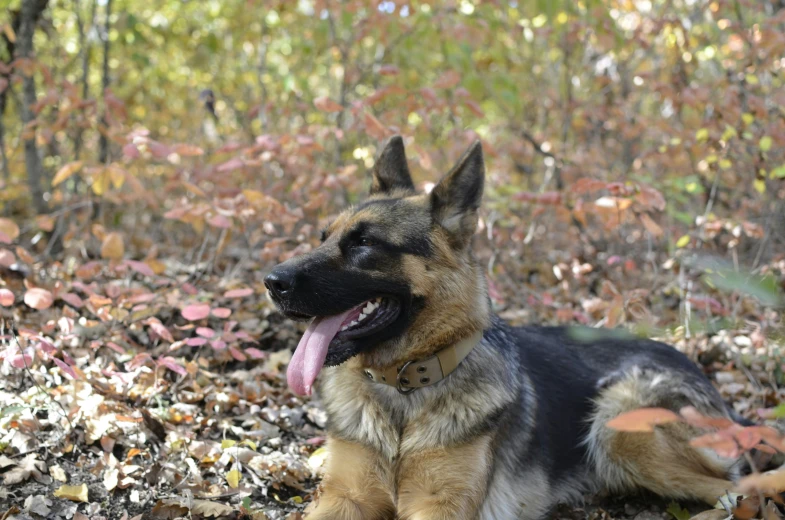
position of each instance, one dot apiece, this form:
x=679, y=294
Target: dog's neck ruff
x=425, y=372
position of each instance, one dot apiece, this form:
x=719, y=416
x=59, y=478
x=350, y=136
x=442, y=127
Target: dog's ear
x=391, y=171
x=456, y=199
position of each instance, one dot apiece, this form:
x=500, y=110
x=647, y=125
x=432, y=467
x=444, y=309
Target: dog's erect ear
x=456, y=199
x=391, y=170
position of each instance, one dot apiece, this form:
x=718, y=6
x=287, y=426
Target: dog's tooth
x=368, y=308
x=353, y=323
x=344, y=327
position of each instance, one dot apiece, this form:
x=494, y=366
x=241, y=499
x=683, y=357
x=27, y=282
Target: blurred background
x=178, y=149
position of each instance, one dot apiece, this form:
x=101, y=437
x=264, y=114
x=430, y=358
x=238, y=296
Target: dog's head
x=394, y=278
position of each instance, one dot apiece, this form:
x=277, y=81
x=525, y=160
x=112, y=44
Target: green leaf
x=762, y=288
x=747, y=118
x=765, y=143
x=702, y=135
x=683, y=241
x=677, y=512
x=778, y=172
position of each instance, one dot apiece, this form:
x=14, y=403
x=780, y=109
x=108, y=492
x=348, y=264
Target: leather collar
x=416, y=374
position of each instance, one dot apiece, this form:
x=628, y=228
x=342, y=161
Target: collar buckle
x=401, y=380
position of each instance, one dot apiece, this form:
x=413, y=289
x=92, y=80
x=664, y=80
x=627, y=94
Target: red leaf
x=231, y=165
x=73, y=300
x=195, y=342
x=236, y=354
x=65, y=367
x=218, y=344
x=7, y=258
x=642, y=420
x=222, y=312
x=448, y=79
x=196, y=312
x=325, y=104
x=388, y=70
x=205, y=332
x=374, y=127
x=255, y=353
x=160, y=330
x=238, y=293
x=131, y=151
x=220, y=221
x=6, y=298
x=172, y=364
x=140, y=267
x=38, y=299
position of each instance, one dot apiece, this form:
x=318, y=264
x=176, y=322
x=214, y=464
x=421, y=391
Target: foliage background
x=158, y=158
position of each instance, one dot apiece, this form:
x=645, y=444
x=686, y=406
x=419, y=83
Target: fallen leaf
x=6, y=298
x=238, y=293
x=9, y=229
x=73, y=493
x=28, y=467
x=196, y=312
x=233, y=478
x=642, y=420
x=38, y=298
x=112, y=247
x=58, y=473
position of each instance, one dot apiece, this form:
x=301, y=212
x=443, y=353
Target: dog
x=437, y=409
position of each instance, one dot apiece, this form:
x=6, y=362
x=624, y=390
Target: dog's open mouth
x=358, y=322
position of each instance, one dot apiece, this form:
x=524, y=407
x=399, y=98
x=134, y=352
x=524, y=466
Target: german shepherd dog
x=437, y=409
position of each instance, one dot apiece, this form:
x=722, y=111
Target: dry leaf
x=9, y=231
x=66, y=171
x=326, y=104
x=6, y=298
x=73, y=493
x=642, y=420
x=28, y=467
x=196, y=312
x=112, y=247
x=38, y=298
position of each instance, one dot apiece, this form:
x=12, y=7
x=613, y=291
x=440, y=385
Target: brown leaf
x=325, y=104
x=642, y=420
x=6, y=298
x=374, y=127
x=28, y=467
x=112, y=247
x=9, y=231
x=448, y=79
x=651, y=226
x=66, y=171
x=38, y=298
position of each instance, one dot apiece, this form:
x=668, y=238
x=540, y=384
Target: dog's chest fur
x=395, y=425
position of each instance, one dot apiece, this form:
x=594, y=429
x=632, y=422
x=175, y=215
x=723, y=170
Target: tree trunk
x=31, y=12
x=103, y=144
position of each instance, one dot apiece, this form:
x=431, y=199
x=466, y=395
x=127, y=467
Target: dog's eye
x=366, y=242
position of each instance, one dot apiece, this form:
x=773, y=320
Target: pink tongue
x=309, y=356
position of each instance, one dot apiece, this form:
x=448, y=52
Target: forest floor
x=131, y=391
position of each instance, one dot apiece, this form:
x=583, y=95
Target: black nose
x=279, y=282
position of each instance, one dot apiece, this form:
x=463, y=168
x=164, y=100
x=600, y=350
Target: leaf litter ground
x=138, y=391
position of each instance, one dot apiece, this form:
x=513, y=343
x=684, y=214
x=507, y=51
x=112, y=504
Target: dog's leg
x=357, y=485
x=663, y=460
x=445, y=483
